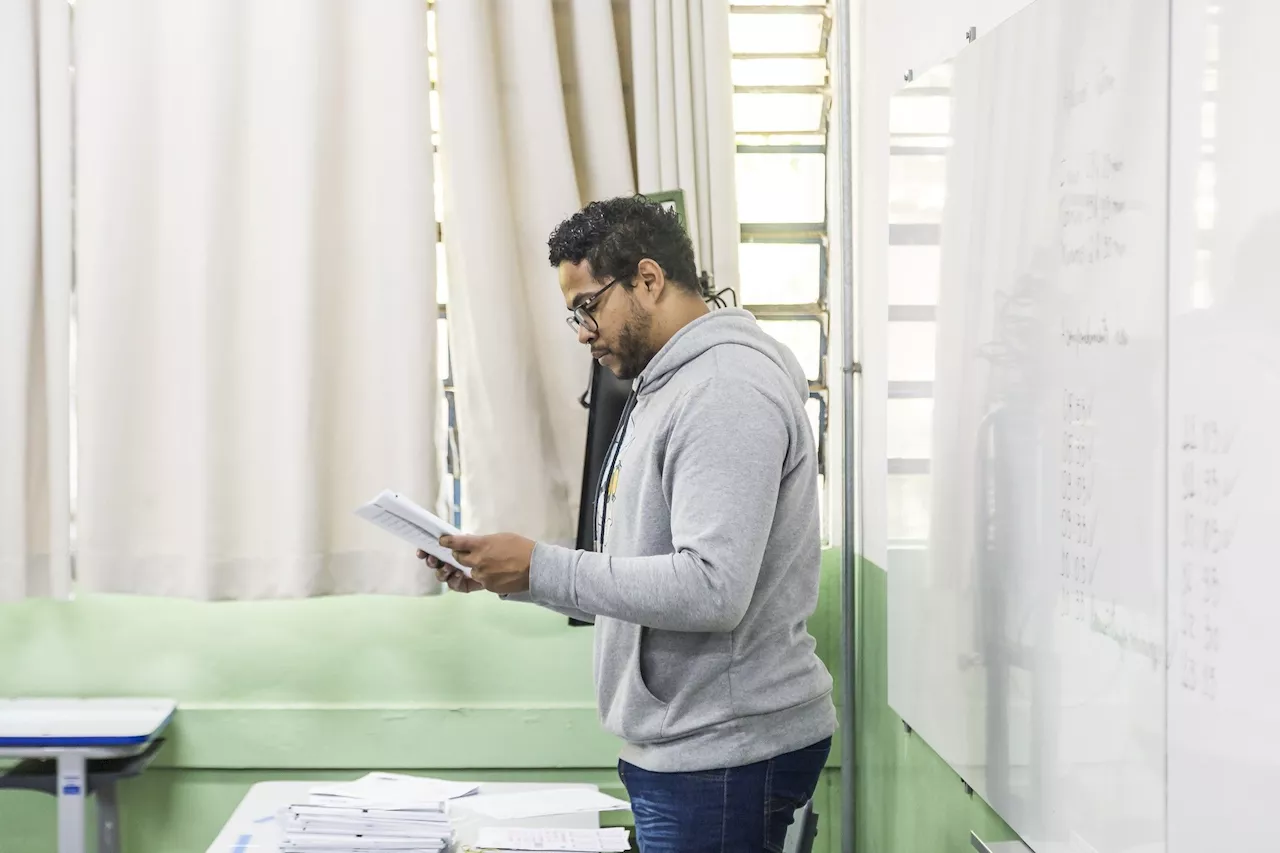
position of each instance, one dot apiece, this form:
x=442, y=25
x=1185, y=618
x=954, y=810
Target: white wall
x=894, y=36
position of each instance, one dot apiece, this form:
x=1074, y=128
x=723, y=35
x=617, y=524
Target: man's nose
x=585, y=335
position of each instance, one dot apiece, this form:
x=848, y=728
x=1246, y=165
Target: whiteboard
x=1224, y=488
x=1027, y=632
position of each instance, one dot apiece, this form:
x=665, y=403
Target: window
x=449, y=412
x=781, y=106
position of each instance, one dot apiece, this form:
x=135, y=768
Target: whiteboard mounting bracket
x=909, y=76
x=972, y=35
x=997, y=846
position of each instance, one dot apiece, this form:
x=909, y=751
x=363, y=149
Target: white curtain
x=519, y=155
x=684, y=139
x=35, y=289
x=257, y=304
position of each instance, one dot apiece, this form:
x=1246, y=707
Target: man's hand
x=448, y=575
x=499, y=563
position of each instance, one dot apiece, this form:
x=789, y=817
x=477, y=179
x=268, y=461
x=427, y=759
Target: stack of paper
x=543, y=803
x=378, y=812
x=329, y=829
x=511, y=840
x=376, y=790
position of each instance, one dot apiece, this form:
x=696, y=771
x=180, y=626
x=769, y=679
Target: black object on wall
x=604, y=401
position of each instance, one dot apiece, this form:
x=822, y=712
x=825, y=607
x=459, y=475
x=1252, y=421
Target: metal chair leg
x=108, y=819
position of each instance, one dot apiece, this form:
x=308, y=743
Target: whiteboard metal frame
x=997, y=846
x=850, y=545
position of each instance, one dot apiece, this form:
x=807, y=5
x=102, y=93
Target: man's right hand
x=449, y=576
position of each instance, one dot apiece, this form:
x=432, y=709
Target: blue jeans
x=738, y=810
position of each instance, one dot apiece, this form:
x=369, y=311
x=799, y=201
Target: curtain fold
x=684, y=138
x=533, y=125
x=257, y=304
x=35, y=292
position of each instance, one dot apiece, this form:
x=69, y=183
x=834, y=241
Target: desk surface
x=252, y=827
x=81, y=723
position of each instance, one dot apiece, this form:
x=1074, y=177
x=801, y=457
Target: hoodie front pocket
x=635, y=714
x=640, y=677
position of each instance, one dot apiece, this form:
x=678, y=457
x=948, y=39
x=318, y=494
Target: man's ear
x=652, y=278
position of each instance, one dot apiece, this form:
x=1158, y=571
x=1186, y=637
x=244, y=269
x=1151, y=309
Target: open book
x=397, y=514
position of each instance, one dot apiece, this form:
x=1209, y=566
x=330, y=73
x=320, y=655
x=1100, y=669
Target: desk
x=252, y=827
x=72, y=732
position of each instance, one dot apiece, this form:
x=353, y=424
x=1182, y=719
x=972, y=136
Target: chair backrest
x=803, y=831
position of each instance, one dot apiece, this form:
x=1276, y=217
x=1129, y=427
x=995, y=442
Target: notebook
x=402, y=517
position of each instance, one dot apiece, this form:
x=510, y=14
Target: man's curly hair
x=616, y=234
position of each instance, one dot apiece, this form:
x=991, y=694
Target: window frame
x=453, y=438
x=754, y=141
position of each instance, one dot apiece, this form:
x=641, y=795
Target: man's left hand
x=500, y=563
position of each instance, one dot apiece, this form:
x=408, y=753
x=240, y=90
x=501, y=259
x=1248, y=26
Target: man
x=707, y=530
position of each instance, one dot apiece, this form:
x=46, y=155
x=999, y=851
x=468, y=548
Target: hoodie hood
x=721, y=327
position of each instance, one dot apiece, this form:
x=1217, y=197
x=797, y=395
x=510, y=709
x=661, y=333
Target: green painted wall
x=908, y=800
x=456, y=686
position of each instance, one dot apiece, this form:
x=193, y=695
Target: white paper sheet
x=558, y=801
x=390, y=791
x=512, y=839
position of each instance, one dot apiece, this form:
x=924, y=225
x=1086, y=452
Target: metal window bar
x=783, y=232
x=788, y=311
x=453, y=458
x=916, y=151
x=781, y=54
x=778, y=9
x=812, y=89
x=781, y=149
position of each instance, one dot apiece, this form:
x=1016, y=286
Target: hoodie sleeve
x=563, y=611
x=724, y=465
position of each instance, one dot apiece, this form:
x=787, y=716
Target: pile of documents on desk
x=378, y=812
x=510, y=840
x=541, y=805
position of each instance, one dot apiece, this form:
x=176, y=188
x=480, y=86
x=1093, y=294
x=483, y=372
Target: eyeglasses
x=583, y=315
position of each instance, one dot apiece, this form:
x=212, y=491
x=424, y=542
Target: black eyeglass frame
x=582, y=315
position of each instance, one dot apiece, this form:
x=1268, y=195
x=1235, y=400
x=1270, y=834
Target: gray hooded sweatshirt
x=707, y=562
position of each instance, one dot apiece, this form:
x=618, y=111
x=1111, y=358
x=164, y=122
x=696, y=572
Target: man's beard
x=632, y=352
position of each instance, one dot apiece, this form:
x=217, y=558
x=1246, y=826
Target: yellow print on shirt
x=611, y=490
